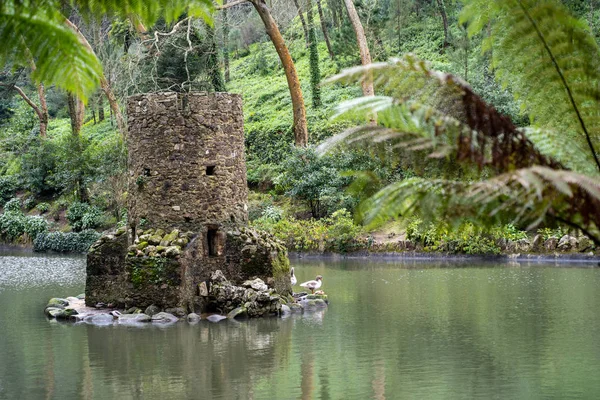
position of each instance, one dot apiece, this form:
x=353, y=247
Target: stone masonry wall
x=186, y=161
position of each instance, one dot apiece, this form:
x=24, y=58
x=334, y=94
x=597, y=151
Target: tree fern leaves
x=548, y=171
x=36, y=29
x=59, y=57
x=551, y=62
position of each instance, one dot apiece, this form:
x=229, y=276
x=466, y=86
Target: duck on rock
x=313, y=285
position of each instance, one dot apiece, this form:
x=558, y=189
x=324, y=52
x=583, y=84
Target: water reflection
x=391, y=331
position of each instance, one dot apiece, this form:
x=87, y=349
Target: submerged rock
x=216, y=318
x=239, y=312
x=296, y=307
x=134, y=318
x=164, y=318
x=193, y=318
x=99, y=319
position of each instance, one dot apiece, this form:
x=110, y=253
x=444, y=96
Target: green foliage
x=441, y=116
x=13, y=205
x=548, y=233
x=37, y=30
x=8, y=187
x=13, y=223
x=336, y=233
x=464, y=239
x=83, y=216
x=567, y=70
x=61, y=242
x=42, y=207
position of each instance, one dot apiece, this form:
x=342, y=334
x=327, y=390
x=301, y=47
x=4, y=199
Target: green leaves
x=59, y=57
x=551, y=62
x=34, y=33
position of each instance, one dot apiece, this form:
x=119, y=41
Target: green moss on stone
x=152, y=270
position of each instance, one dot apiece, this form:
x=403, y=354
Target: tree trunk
x=365, y=56
x=41, y=112
x=100, y=107
x=76, y=112
x=44, y=110
x=324, y=29
x=445, y=22
x=303, y=22
x=300, y=127
x=315, y=73
x=110, y=96
x=226, y=43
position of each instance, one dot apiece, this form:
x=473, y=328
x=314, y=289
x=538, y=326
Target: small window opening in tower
x=210, y=170
x=212, y=240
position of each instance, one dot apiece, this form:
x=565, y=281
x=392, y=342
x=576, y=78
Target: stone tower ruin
x=186, y=161
x=187, y=208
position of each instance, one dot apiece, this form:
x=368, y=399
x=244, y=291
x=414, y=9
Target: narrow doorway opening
x=211, y=239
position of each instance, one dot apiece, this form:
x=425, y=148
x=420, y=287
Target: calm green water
x=392, y=331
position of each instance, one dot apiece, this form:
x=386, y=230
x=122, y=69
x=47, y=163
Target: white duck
x=293, y=279
x=313, y=285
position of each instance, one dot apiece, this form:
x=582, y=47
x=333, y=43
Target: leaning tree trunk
x=300, y=127
x=365, y=55
x=110, y=96
x=324, y=29
x=303, y=22
x=445, y=22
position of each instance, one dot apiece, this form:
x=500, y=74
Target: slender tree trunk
x=365, y=55
x=100, y=103
x=324, y=29
x=110, y=96
x=300, y=126
x=445, y=22
x=76, y=112
x=44, y=117
x=334, y=13
x=226, y=43
x=315, y=73
x=303, y=22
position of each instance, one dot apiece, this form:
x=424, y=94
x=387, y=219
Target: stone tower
x=187, y=166
x=187, y=210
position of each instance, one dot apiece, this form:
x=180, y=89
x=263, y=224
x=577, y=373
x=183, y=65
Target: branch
x=564, y=82
x=229, y=5
x=27, y=99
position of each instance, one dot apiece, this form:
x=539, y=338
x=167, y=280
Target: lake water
x=393, y=330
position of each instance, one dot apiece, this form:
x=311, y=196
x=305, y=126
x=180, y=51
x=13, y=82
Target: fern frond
x=444, y=109
x=36, y=28
x=525, y=196
x=551, y=61
x=60, y=58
